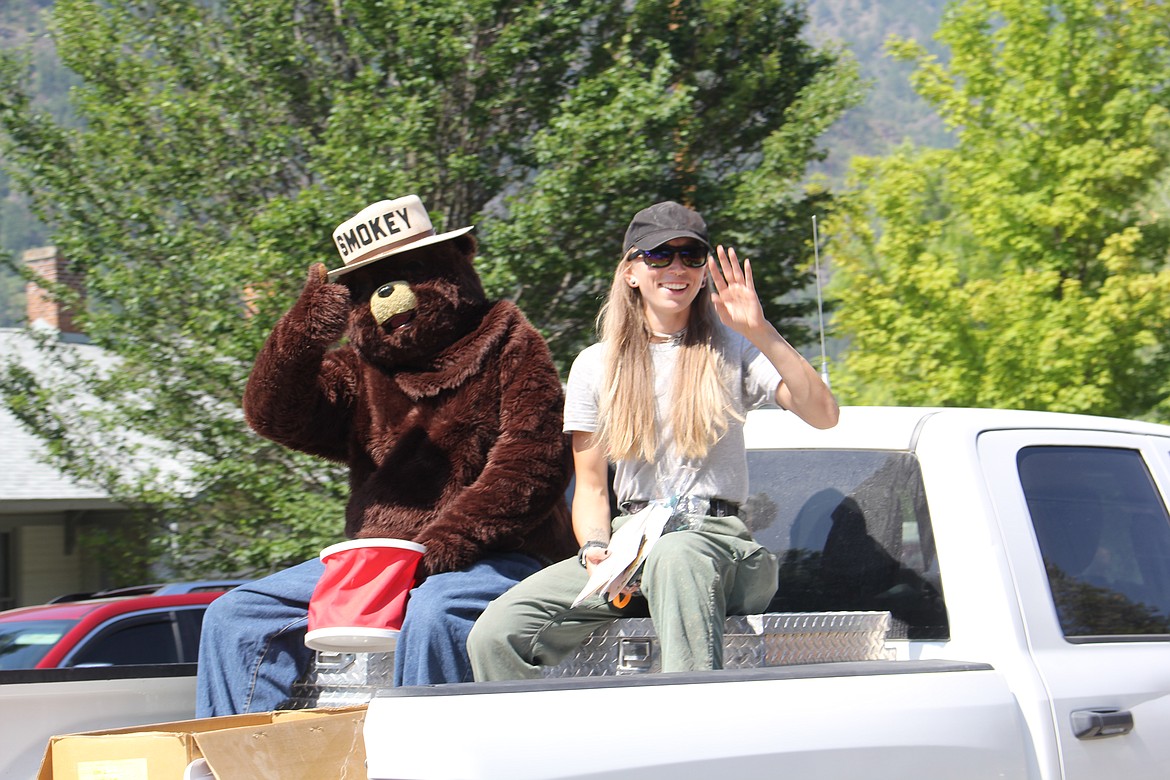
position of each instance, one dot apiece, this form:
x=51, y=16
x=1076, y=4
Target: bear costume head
x=412, y=296
x=444, y=404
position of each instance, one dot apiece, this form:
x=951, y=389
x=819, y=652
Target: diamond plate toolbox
x=343, y=679
x=630, y=646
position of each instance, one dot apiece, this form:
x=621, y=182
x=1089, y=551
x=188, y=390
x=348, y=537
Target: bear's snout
x=393, y=304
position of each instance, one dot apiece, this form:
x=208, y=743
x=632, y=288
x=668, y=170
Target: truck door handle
x=1095, y=724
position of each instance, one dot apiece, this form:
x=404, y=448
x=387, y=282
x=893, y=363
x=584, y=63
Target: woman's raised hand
x=734, y=295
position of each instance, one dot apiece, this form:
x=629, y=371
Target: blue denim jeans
x=253, y=650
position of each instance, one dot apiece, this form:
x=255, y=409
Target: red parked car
x=151, y=624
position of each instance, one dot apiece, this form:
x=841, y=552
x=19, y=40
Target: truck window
x=852, y=531
x=1104, y=536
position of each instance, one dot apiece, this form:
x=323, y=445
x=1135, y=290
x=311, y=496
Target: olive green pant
x=692, y=580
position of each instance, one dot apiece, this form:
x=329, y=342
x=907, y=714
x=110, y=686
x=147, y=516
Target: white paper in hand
x=623, y=549
x=628, y=548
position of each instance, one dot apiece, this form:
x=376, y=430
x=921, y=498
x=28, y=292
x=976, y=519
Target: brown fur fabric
x=448, y=415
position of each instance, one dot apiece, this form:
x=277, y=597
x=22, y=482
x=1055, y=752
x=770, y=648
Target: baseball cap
x=662, y=222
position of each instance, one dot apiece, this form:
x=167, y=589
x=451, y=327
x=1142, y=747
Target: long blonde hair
x=700, y=405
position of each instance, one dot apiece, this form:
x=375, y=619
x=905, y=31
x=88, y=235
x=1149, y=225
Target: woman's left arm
x=801, y=390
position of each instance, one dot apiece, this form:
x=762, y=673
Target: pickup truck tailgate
x=867, y=719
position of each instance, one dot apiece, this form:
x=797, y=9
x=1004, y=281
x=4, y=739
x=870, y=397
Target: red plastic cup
x=360, y=600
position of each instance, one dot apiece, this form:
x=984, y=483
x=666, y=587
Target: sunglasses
x=693, y=256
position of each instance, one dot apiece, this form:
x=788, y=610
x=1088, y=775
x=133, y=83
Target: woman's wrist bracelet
x=587, y=547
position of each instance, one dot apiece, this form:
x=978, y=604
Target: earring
x=633, y=283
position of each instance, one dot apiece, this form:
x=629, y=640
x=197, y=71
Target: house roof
x=27, y=482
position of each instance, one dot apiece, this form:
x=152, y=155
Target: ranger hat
x=384, y=229
x=662, y=222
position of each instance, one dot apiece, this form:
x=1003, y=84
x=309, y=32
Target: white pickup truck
x=1024, y=558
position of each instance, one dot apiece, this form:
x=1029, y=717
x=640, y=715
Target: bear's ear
x=466, y=244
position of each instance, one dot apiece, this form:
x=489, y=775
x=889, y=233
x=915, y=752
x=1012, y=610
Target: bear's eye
x=385, y=291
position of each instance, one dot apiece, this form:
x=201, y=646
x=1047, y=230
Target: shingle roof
x=27, y=483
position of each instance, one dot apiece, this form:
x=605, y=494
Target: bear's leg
x=432, y=647
x=252, y=649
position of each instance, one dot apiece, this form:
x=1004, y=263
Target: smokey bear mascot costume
x=446, y=408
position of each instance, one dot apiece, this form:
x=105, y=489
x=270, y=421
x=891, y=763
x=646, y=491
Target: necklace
x=671, y=338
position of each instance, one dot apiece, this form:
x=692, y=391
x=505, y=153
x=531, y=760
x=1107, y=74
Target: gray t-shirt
x=723, y=473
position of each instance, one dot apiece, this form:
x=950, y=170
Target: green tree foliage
x=222, y=141
x=1027, y=266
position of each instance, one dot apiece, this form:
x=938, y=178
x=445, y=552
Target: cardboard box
x=319, y=744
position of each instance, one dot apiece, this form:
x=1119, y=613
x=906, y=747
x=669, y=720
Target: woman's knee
x=682, y=560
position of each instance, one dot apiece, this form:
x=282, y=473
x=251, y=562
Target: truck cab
x=1036, y=542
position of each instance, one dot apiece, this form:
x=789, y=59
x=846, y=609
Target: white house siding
x=45, y=566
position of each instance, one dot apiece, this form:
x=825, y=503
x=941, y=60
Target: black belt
x=719, y=507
